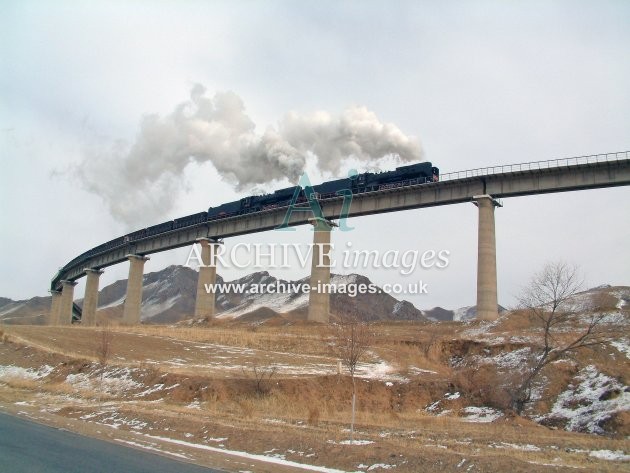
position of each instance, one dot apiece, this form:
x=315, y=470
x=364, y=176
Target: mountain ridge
x=169, y=297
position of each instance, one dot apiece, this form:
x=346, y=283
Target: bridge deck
x=542, y=177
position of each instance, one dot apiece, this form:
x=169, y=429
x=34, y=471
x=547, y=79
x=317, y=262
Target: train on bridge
x=403, y=176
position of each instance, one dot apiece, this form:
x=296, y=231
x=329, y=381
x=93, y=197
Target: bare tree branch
x=351, y=341
x=103, y=353
x=262, y=376
x=551, y=299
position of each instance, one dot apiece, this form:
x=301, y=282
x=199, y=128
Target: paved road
x=27, y=447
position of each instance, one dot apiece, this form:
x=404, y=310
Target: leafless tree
x=351, y=341
x=103, y=353
x=568, y=325
x=262, y=376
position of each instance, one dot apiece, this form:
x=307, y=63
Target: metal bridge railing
x=536, y=165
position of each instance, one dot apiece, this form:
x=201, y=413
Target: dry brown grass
x=410, y=354
x=21, y=383
x=306, y=340
x=314, y=410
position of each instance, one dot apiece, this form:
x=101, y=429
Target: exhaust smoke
x=140, y=182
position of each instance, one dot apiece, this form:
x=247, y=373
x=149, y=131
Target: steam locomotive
x=367, y=182
x=402, y=176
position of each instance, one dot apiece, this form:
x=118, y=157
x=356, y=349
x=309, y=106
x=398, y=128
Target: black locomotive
x=403, y=176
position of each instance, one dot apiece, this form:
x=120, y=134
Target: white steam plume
x=140, y=183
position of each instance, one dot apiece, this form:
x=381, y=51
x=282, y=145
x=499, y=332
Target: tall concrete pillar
x=204, y=303
x=133, y=300
x=90, y=300
x=487, y=306
x=55, y=305
x=319, y=296
x=65, y=305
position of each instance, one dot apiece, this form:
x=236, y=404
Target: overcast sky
x=473, y=84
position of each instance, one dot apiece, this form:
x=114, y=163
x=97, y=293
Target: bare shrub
x=261, y=377
x=104, y=347
x=351, y=341
x=550, y=300
x=103, y=354
x=313, y=416
x=483, y=385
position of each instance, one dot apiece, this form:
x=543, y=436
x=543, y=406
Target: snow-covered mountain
x=370, y=306
x=169, y=296
x=458, y=315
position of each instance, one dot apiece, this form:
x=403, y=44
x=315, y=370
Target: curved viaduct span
x=480, y=186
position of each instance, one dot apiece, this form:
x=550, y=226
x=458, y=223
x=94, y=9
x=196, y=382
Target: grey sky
x=478, y=83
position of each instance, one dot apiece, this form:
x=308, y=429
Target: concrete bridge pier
x=319, y=296
x=55, y=304
x=204, y=303
x=133, y=299
x=487, y=305
x=90, y=301
x=65, y=305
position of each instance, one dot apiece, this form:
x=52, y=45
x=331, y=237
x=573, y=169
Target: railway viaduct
x=482, y=187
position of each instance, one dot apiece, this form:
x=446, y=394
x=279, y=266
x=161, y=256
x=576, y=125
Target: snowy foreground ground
x=195, y=400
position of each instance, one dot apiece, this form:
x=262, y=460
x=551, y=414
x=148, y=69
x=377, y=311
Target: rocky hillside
x=169, y=297
x=462, y=314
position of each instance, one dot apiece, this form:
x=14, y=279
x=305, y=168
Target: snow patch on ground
x=612, y=318
x=418, y=371
x=433, y=407
x=511, y=360
x=8, y=372
x=380, y=466
x=352, y=442
x=117, y=420
x=515, y=446
x=482, y=330
x=114, y=381
x=623, y=346
x=152, y=447
x=151, y=390
x=250, y=456
x=381, y=370
x=587, y=405
x=609, y=455
x=480, y=415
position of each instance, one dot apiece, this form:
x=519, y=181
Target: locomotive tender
x=403, y=176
